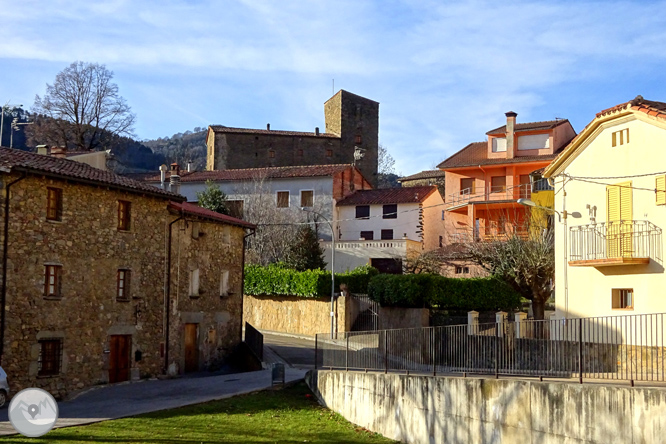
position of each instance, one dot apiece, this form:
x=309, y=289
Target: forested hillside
x=182, y=147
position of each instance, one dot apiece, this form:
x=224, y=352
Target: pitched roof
x=195, y=210
x=254, y=173
x=231, y=130
x=477, y=154
x=17, y=160
x=388, y=196
x=427, y=174
x=530, y=126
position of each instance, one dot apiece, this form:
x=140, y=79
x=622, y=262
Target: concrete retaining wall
x=422, y=409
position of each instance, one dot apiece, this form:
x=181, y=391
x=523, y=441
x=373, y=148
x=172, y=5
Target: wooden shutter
x=613, y=202
x=619, y=230
x=660, y=185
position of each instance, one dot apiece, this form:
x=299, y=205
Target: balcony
x=495, y=194
x=350, y=254
x=632, y=242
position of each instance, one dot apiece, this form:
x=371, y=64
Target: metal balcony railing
x=618, y=239
x=500, y=192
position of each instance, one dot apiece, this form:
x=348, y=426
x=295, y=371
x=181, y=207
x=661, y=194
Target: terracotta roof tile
x=427, y=174
x=253, y=173
x=198, y=211
x=530, y=126
x=477, y=154
x=388, y=196
x=228, y=129
x=13, y=159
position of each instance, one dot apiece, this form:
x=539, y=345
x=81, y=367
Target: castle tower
x=356, y=120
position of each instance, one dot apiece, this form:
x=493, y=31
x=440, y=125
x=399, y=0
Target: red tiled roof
x=227, y=129
x=388, y=196
x=530, y=126
x=198, y=211
x=254, y=173
x=17, y=160
x=427, y=174
x=477, y=154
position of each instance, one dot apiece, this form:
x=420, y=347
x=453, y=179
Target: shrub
x=276, y=279
x=430, y=290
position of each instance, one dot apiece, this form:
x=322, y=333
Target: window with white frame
x=534, y=142
x=194, y=282
x=499, y=144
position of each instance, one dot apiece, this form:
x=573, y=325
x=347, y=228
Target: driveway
x=129, y=399
x=297, y=352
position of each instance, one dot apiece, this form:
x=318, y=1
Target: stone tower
x=356, y=120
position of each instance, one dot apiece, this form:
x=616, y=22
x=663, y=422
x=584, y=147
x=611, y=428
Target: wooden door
x=619, y=232
x=191, y=348
x=119, y=358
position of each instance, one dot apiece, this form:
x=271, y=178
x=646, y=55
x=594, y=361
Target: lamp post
x=332, y=267
x=530, y=203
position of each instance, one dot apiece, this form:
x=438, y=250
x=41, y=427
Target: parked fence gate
x=368, y=315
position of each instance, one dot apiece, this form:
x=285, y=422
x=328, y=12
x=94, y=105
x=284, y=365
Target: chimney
x=268, y=127
x=189, y=166
x=174, y=183
x=59, y=152
x=163, y=170
x=175, y=169
x=510, y=132
x=43, y=150
x=316, y=130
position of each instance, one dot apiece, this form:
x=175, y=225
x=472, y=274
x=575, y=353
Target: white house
x=384, y=227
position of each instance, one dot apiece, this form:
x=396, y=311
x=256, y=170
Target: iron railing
x=255, y=340
x=617, y=239
x=502, y=192
x=614, y=347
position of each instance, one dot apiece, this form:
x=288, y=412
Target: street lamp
x=530, y=203
x=2, y=118
x=332, y=267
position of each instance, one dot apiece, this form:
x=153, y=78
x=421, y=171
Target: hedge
x=430, y=290
x=276, y=279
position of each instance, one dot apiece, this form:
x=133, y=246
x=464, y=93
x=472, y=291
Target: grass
x=283, y=416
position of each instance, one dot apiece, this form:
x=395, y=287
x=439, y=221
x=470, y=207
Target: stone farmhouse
x=106, y=279
x=252, y=191
x=351, y=136
x=385, y=227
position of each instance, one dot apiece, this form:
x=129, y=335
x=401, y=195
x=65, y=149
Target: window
x=52, y=281
x=623, y=298
x=499, y=144
x=283, y=199
x=387, y=234
x=390, y=211
x=443, y=212
x=194, y=282
x=124, y=215
x=534, y=142
x=467, y=186
x=359, y=139
x=498, y=184
x=224, y=283
x=462, y=270
x=441, y=241
x=271, y=154
x=367, y=235
x=329, y=153
x=307, y=198
x=54, y=204
x=50, y=357
x=123, y=287
x=621, y=137
x=363, y=212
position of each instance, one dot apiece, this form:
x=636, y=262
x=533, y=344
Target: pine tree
x=306, y=253
x=213, y=198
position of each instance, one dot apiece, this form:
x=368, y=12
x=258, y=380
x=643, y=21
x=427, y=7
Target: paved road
x=129, y=399
x=297, y=352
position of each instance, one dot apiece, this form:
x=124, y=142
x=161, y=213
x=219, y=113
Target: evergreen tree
x=213, y=198
x=306, y=253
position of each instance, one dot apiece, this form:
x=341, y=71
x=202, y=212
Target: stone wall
x=429, y=410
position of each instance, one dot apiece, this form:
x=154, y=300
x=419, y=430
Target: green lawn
x=284, y=416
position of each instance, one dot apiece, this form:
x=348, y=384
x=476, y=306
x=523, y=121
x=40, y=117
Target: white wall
x=350, y=228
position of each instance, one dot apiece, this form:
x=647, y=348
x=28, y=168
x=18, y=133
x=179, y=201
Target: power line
x=654, y=190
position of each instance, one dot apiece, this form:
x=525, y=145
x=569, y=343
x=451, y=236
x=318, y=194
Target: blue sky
x=443, y=72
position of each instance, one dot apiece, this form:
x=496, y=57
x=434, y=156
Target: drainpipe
x=254, y=231
x=3, y=289
x=167, y=298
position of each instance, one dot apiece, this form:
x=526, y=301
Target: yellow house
x=610, y=190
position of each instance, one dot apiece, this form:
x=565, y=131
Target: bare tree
x=386, y=175
x=81, y=109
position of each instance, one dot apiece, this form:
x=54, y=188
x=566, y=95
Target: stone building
x=86, y=261
x=351, y=136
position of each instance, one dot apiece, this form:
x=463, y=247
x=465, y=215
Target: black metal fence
x=613, y=347
x=255, y=340
x=368, y=313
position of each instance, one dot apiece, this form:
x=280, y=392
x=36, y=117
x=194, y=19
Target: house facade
x=351, y=135
x=273, y=194
x=610, y=188
x=385, y=227
x=83, y=292
x=484, y=180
